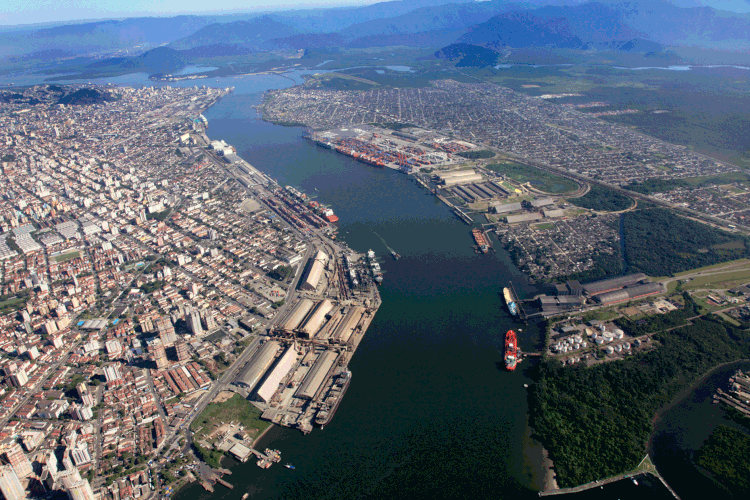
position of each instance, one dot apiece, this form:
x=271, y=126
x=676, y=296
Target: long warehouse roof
x=258, y=364
x=313, y=276
x=269, y=387
x=316, y=319
x=297, y=315
x=608, y=284
x=317, y=375
x=348, y=324
x=456, y=173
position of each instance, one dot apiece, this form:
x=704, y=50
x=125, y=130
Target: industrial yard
x=298, y=374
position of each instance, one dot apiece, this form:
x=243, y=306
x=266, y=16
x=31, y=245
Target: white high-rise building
x=17, y=459
x=194, y=322
x=10, y=485
x=81, y=491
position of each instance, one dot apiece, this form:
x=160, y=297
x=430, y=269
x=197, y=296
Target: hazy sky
x=14, y=12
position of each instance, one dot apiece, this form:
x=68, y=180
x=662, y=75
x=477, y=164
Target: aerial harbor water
x=430, y=410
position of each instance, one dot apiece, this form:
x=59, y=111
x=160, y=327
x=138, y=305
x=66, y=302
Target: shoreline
x=260, y=436
x=680, y=396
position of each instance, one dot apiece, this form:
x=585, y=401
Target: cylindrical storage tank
x=602, y=327
x=577, y=345
x=619, y=334
x=618, y=348
x=589, y=332
x=577, y=338
x=636, y=342
x=626, y=346
x=610, y=350
x=608, y=337
x=584, y=344
x=599, y=340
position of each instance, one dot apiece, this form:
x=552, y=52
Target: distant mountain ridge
x=632, y=25
x=252, y=33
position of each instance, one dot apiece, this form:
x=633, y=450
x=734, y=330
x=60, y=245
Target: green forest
x=660, y=243
x=595, y=422
x=726, y=456
x=599, y=198
x=478, y=154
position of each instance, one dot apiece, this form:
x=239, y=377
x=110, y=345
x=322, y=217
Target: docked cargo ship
x=510, y=301
x=324, y=144
x=335, y=395
x=377, y=274
x=511, y=351
x=481, y=240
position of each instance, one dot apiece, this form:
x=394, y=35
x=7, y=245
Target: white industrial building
x=269, y=386
x=314, y=272
x=258, y=365
x=317, y=375
x=316, y=320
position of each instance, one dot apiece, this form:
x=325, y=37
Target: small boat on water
x=244, y=497
x=289, y=466
x=395, y=255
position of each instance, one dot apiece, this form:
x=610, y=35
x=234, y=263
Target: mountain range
x=630, y=25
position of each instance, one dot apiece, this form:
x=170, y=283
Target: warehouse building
x=459, y=177
x=515, y=219
x=542, y=202
x=553, y=212
x=347, y=326
x=297, y=315
x=315, y=268
x=317, y=375
x=560, y=304
x=630, y=293
x=464, y=179
x=607, y=285
x=316, y=319
x=257, y=366
x=269, y=386
x=504, y=208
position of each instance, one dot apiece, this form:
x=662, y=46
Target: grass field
x=719, y=281
x=236, y=409
x=539, y=179
x=728, y=319
x=713, y=267
x=67, y=256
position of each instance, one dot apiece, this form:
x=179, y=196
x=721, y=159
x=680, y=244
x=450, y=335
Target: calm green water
x=428, y=412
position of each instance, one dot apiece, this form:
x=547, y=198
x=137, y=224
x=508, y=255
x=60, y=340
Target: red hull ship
x=511, y=351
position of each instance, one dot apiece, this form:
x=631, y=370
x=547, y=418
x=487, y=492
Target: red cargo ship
x=511, y=350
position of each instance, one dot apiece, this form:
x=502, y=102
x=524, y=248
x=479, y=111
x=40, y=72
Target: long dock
x=647, y=468
x=462, y=215
x=224, y=483
x=521, y=312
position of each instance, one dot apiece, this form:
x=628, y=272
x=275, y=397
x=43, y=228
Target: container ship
x=511, y=351
x=510, y=301
x=481, y=240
